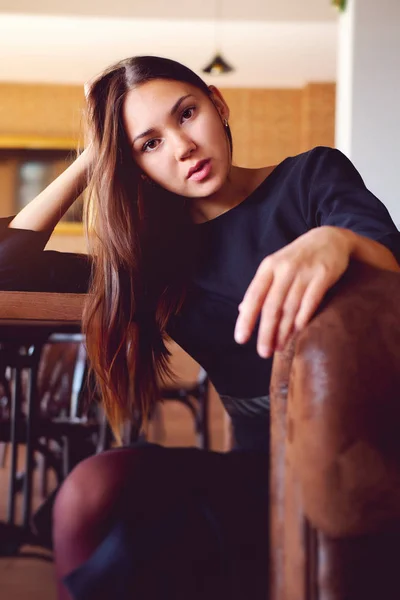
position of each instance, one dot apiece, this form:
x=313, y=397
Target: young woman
x=228, y=261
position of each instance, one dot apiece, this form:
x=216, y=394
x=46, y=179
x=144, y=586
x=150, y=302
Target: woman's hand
x=289, y=286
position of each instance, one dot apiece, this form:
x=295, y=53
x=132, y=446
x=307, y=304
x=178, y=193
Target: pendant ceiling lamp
x=218, y=65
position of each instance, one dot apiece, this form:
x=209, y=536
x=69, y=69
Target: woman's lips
x=201, y=173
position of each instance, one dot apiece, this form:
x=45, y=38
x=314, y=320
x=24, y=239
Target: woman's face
x=172, y=126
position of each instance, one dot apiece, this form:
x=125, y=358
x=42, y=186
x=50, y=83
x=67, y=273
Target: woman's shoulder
x=313, y=156
x=299, y=165
x=319, y=162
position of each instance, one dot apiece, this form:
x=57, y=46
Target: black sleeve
x=339, y=197
x=26, y=266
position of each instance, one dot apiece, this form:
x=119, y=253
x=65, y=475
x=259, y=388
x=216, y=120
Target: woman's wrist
x=369, y=251
x=80, y=169
x=86, y=158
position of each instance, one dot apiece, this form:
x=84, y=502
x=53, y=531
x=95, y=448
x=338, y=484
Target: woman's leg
x=201, y=497
x=87, y=506
x=139, y=486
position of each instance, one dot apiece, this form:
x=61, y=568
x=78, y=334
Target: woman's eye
x=188, y=113
x=150, y=145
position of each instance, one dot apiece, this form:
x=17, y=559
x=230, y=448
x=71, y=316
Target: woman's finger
x=252, y=303
x=290, y=309
x=312, y=297
x=272, y=310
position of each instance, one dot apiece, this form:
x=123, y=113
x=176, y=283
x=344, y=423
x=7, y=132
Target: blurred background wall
x=281, y=91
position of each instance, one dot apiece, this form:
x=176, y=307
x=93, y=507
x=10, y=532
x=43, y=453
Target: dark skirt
x=212, y=545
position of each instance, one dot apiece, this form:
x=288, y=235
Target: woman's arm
x=346, y=221
x=369, y=251
x=45, y=211
x=23, y=263
x=338, y=197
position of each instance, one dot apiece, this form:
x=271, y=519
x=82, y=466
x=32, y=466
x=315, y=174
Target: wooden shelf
x=38, y=142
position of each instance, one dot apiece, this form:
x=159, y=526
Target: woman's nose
x=184, y=146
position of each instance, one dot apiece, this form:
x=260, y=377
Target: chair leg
x=228, y=433
x=43, y=471
x=66, y=456
x=3, y=454
x=202, y=421
x=158, y=424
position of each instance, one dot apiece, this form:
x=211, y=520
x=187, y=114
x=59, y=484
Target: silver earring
x=225, y=123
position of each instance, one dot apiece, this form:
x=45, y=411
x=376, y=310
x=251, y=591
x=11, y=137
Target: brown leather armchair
x=335, y=464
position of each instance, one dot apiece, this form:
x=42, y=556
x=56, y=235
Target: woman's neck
x=241, y=182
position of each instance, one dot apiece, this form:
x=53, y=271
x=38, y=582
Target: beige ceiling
x=264, y=10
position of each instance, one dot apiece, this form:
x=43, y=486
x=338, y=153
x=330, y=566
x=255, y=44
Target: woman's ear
x=146, y=179
x=218, y=100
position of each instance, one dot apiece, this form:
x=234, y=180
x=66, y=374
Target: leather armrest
x=342, y=420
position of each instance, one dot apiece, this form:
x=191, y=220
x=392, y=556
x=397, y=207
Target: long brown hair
x=135, y=235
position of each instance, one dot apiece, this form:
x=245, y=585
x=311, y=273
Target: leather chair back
x=335, y=457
